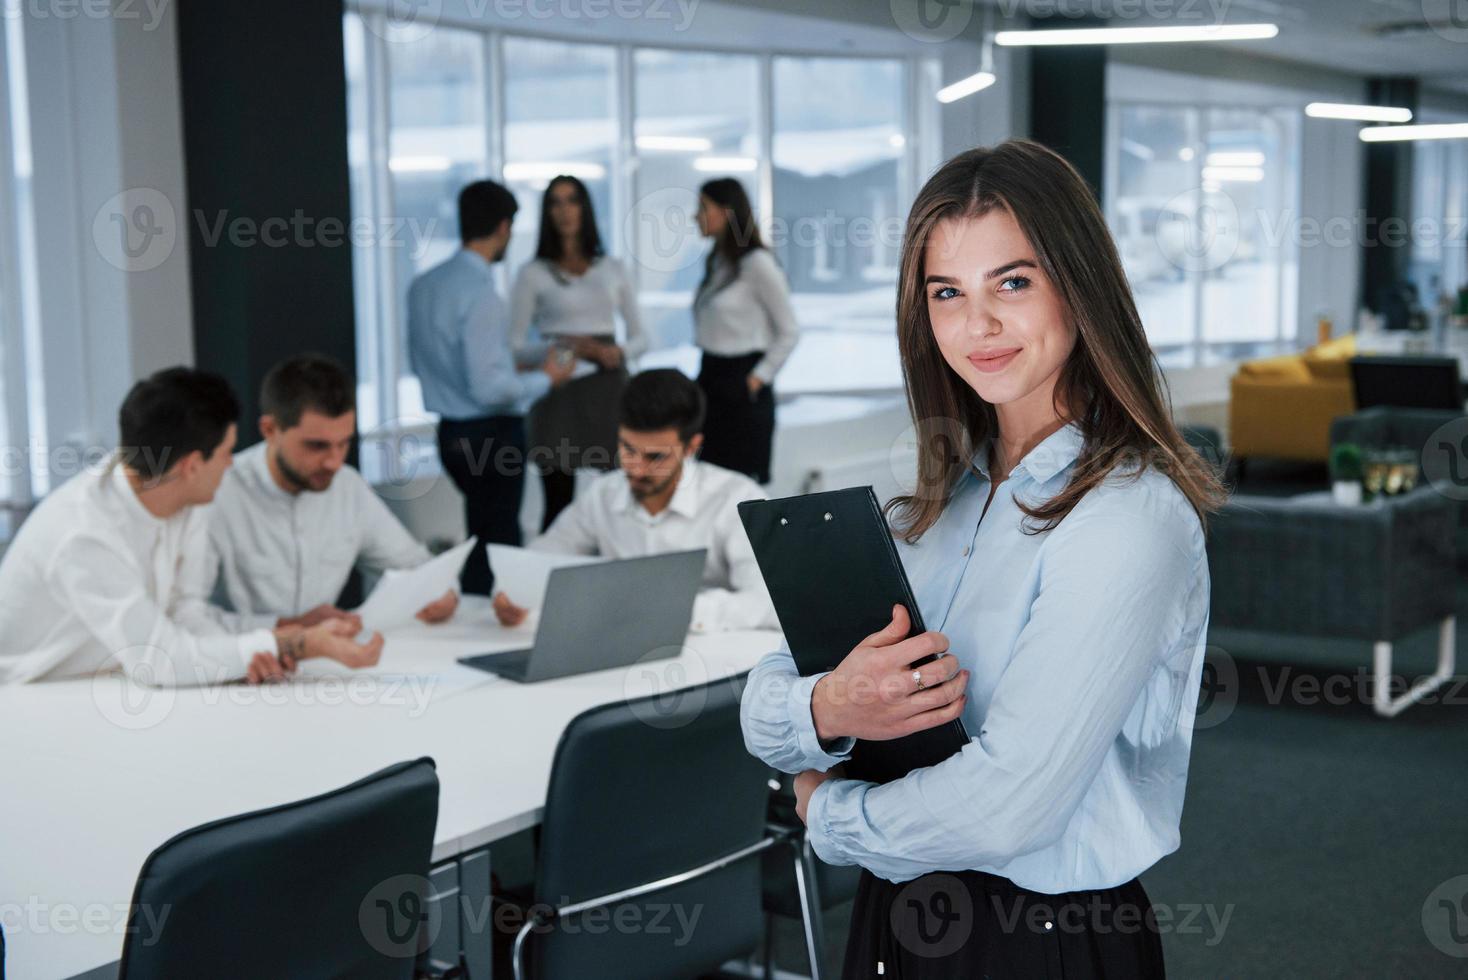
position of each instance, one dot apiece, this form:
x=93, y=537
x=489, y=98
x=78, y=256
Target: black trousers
x=968, y=925
x=486, y=460
x=560, y=490
x=739, y=431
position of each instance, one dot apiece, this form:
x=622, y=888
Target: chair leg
x=810, y=907
x=769, y=951
x=1382, y=701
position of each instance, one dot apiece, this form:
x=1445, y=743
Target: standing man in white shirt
x=292, y=518
x=104, y=572
x=666, y=499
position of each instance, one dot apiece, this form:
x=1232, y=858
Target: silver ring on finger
x=917, y=678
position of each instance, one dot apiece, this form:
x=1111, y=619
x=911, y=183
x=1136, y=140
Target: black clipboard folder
x=833, y=572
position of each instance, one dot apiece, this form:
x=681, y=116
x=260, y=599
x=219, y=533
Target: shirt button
x=1049, y=926
x=966, y=549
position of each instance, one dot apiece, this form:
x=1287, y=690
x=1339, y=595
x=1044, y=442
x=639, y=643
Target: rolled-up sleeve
x=776, y=719
x=1115, y=591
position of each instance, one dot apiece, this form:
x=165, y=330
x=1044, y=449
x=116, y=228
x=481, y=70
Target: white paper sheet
x=401, y=592
x=523, y=574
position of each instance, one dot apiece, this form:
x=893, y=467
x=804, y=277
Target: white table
x=91, y=787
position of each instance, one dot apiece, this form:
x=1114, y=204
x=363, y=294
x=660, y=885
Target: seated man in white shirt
x=666, y=499
x=105, y=571
x=292, y=519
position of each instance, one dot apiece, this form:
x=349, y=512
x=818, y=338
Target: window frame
x=1201, y=352
x=17, y=349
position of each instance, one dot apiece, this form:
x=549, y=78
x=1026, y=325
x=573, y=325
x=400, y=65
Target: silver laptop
x=607, y=614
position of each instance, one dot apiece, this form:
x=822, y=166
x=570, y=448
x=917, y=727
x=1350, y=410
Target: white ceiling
x=1365, y=37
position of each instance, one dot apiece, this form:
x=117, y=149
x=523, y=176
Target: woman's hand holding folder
x=873, y=693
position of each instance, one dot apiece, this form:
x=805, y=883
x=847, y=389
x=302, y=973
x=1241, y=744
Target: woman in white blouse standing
x=746, y=329
x=1055, y=546
x=569, y=293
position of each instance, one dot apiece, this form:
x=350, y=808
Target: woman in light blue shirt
x=1055, y=542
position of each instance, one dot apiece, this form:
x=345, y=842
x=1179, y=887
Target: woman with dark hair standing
x=1055, y=538
x=746, y=329
x=569, y=293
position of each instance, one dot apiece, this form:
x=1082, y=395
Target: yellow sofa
x=1282, y=406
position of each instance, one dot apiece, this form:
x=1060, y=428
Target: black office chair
x=1209, y=444
x=654, y=819
x=332, y=886
x=799, y=885
x=1407, y=381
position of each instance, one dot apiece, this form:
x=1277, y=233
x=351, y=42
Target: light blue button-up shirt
x=1085, y=646
x=459, y=343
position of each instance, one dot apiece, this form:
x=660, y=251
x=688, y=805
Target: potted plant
x=1346, y=470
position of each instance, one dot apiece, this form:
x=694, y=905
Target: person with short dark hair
x=570, y=293
x=105, y=572
x=293, y=518
x=459, y=347
x=666, y=499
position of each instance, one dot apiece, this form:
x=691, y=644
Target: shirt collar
x=256, y=466
x=685, y=495
x=473, y=259
x=123, y=489
x=1054, y=453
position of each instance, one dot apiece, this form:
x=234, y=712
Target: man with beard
x=107, y=572
x=292, y=519
x=666, y=499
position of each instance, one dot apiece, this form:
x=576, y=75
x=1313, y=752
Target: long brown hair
x=550, y=246
x=1111, y=384
x=740, y=235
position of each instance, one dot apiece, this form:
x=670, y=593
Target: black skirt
x=969, y=925
x=739, y=431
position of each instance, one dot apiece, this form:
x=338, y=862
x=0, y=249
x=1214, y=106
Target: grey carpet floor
x=1314, y=832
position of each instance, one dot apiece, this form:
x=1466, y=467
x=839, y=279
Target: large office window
x=560, y=118
x=1196, y=201
x=697, y=118
x=824, y=146
x=1439, y=219
x=417, y=119
x=840, y=148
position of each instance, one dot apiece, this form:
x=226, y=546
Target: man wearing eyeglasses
x=665, y=499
